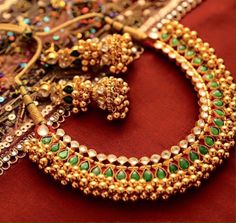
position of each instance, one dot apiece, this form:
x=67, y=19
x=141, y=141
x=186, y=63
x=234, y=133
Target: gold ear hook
x=31, y=107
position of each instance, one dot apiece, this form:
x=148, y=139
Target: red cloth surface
x=163, y=111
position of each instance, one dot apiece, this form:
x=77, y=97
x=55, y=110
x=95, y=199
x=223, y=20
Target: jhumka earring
x=109, y=93
x=112, y=52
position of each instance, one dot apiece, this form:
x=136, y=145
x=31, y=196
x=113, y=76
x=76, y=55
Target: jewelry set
x=159, y=176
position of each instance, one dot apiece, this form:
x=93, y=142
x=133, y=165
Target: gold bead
x=186, y=29
x=205, y=56
x=43, y=162
x=222, y=67
x=153, y=196
x=61, y=173
x=198, y=40
x=139, y=189
x=193, y=178
x=160, y=190
x=81, y=49
x=207, y=158
x=84, y=68
x=191, y=43
x=165, y=197
x=211, y=50
x=75, y=110
x=218, y=144
x=92, y=62
x=149, y=188
x=212, y=151
x=186, y=37
x=197, y=46
x=193, y=34
x=206, y=45
x=169, y=190
x=83, y=181
x=169, y=28
x=199, y=174
x=220, y=152
x=185, y=181
x=109, y=117
x=226, y=155
x=210, y=63
x=130, y=190
x=220, y=61
x=216, y=160
x=177, y=185
x=112, y=69
x=75, y=185
x=229, y=79
x=205, y=167
x=47, y=169
x=179, y=32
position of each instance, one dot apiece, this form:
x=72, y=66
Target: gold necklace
x=159, y=176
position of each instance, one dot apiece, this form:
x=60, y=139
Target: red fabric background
x=163, y=110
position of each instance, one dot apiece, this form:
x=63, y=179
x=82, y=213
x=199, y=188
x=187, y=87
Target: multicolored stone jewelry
x=158, y=176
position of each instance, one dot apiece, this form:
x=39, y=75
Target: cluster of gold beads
x=117, y=53
x=110, y=93
x=113, y=52
x=76, y=93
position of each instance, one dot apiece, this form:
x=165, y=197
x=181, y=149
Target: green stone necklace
x=159, y=176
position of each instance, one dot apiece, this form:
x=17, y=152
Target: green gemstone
x=46, y=139
x=202, y=149
x=134, y=175
x=96, y=170
x=84, y=166
x=73, y=160
x=217, y=94
x=165, y=36
x=197, y=61
x=219, y=112
x=173, y=168
x=184, y=164
x=193, y=156
x=182, y=47
x=218, y=122
x=209, y=141
x=68, y=99
x=121, y=175
x=203, y=68
x=63, y=154
x=161, y=174
x=209, y=76
x=68, y=89
x=214, y=131
x=174, y=42
x=214, y=84
x=147, y=175
x=190, y=53
x=74, y=53
x=108, y=172
x=55, y=147
x=218, y=103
